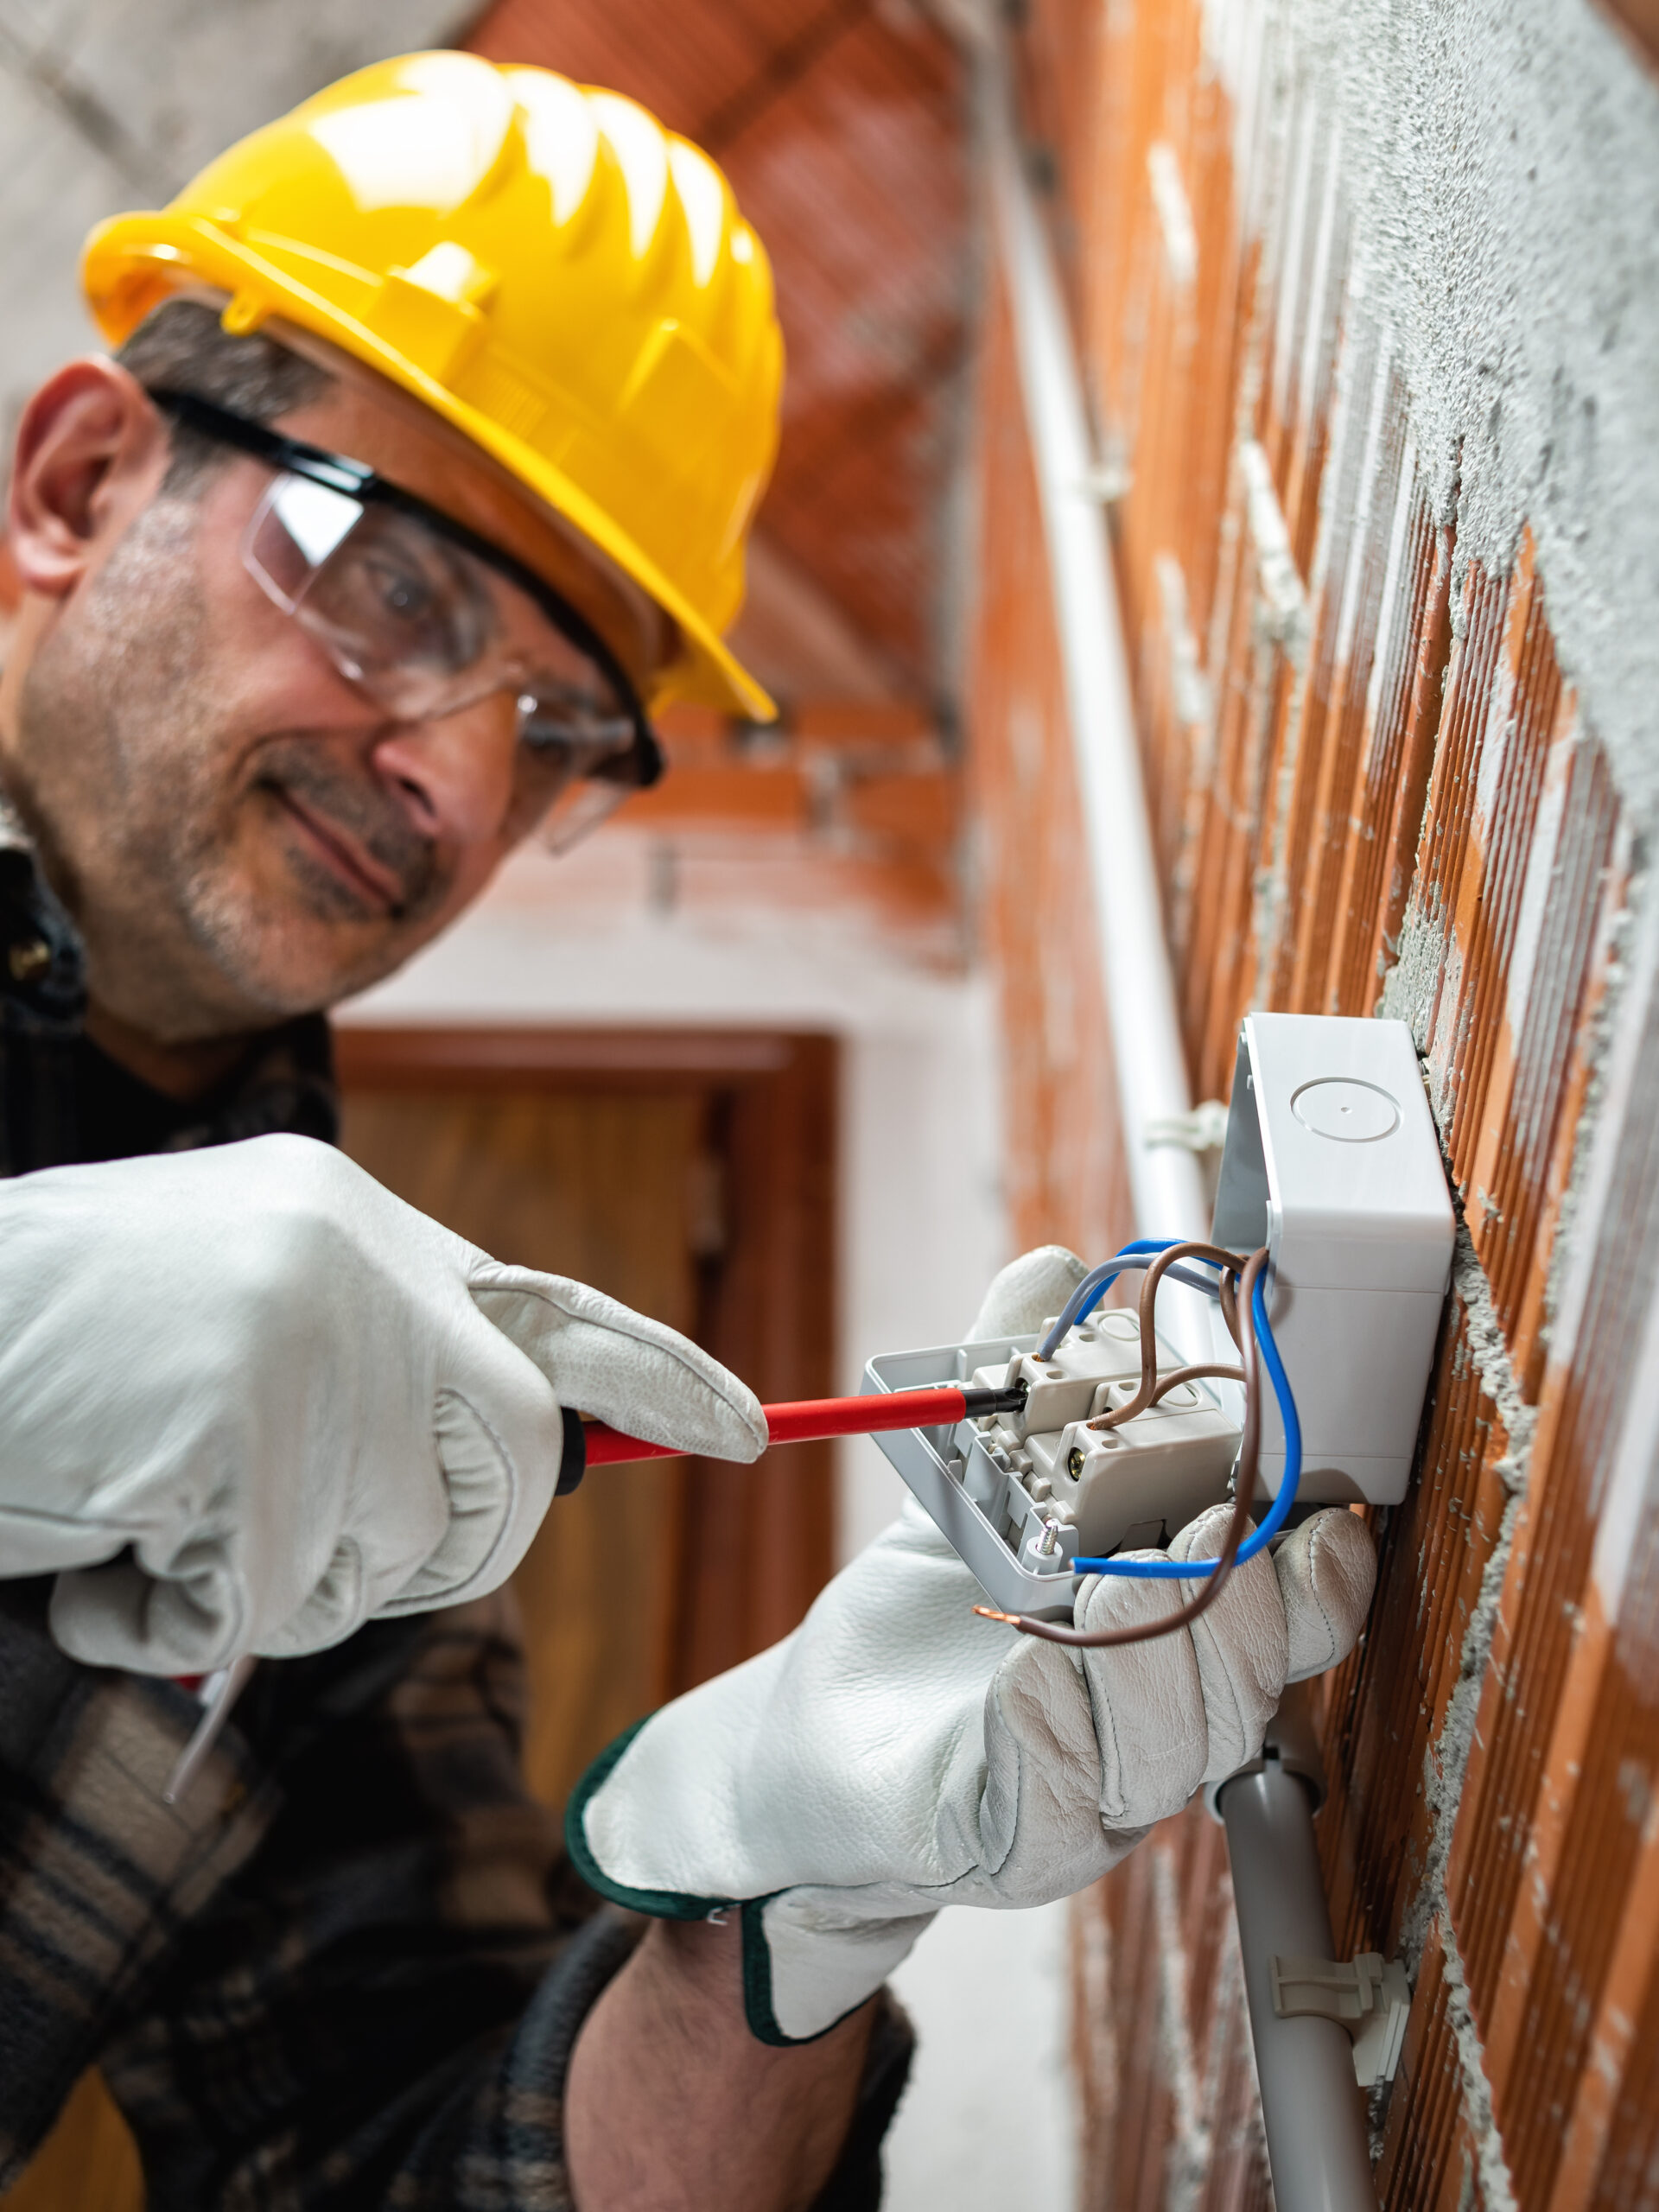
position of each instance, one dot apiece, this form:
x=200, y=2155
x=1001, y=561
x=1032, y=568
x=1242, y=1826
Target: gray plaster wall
x=106, y=105
x=1499, y=161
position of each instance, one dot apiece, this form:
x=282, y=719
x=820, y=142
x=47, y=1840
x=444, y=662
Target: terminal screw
x=1074, y=1463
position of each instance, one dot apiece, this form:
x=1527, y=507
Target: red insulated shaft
x=804, y=1420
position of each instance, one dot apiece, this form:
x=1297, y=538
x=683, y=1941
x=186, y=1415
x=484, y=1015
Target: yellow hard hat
x=545, y=266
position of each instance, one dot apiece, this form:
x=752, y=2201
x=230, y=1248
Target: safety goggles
x=428, y=618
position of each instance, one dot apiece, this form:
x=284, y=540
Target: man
x=440, y=411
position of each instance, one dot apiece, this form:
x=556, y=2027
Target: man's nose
x=454, y=775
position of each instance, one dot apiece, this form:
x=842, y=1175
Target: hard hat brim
x=132, y=262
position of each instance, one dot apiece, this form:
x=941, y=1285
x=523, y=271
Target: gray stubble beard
x=129, y=676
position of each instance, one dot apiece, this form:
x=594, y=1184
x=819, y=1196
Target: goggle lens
x=426, y=630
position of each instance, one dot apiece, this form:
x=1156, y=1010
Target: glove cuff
x=803, y=1974
x=658, y=1904
x=801, y=1977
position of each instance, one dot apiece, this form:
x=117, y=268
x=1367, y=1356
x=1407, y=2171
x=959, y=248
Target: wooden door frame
x=753, y=1545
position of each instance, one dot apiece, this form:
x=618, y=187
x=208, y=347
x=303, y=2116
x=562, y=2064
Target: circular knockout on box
x=1352, y=1112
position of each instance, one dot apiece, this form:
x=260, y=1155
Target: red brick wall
x=1372, y=791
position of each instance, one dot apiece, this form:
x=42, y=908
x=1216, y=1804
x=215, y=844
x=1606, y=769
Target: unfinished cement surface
x=1500, y=164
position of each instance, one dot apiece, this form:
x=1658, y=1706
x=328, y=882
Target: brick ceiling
x=841, y=127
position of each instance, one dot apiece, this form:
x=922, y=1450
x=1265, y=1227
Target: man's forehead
x=376, y=421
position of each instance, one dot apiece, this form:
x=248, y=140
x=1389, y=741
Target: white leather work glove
x=899, y=1753
x=248, y=1399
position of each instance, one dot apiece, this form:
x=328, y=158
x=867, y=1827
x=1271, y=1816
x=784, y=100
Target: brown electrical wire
x=1226, y=1293
x=1167, y=1383
x=1146, y=1394
x=1250, y=1452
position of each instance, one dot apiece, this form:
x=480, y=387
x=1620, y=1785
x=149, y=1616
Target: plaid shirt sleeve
x=348, y=1970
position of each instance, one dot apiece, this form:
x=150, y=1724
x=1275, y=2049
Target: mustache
x=377, y=822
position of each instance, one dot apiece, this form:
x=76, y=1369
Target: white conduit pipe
x=1152, y=1083
x=1310, y=2106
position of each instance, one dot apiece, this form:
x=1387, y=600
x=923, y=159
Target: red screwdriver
x=805, y=1421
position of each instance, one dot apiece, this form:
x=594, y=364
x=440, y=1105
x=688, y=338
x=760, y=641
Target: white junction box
x=1332, y=1162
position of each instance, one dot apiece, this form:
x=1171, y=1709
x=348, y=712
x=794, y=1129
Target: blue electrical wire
x=1182, y=1570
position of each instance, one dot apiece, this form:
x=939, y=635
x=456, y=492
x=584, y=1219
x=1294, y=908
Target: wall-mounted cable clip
x=1370, y=1996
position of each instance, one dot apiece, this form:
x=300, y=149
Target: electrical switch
x=1025, y=1493
x=1151, y=1475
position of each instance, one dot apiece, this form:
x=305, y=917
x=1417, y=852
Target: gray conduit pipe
x=1310, y=2100
x=1311, y=2104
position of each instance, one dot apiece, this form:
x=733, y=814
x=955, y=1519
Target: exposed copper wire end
x=990, y=1613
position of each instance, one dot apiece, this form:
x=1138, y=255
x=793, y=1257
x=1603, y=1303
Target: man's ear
x=91, y=449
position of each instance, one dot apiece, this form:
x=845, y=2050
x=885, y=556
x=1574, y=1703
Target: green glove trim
x=660, y=1904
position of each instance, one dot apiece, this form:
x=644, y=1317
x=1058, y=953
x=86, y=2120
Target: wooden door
x=692, y=1177
x=603, y=1187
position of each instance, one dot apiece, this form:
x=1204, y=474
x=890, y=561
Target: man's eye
x=400, y=591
